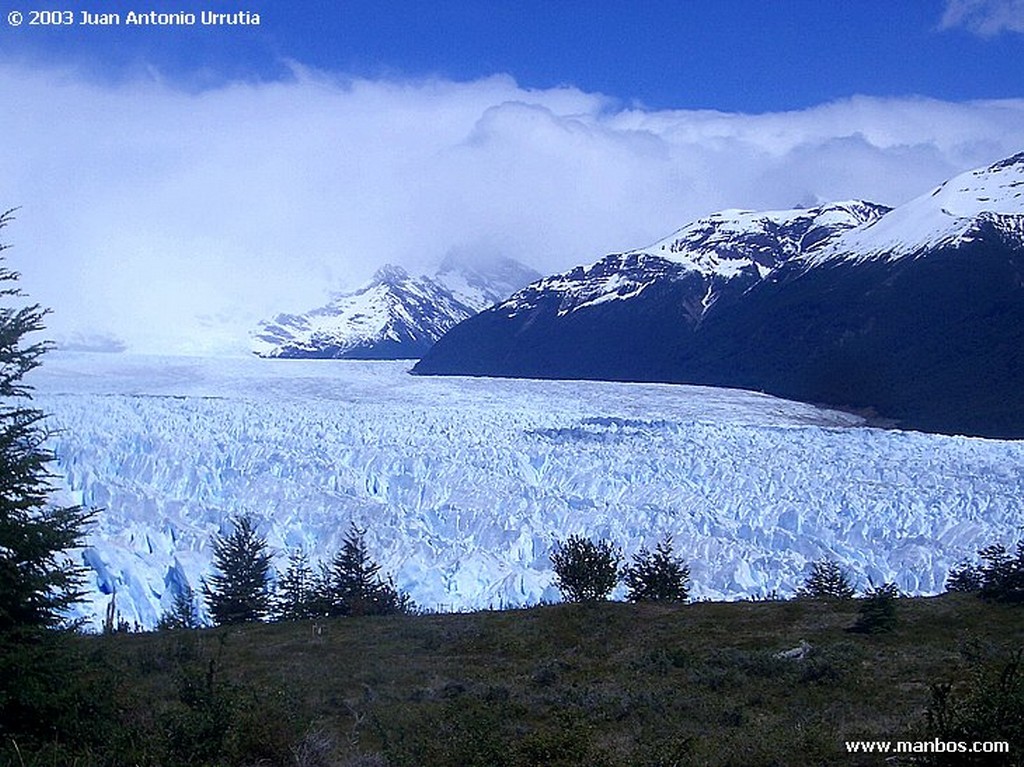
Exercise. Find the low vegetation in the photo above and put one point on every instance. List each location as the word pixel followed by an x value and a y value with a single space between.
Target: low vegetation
pixel 328 672
pixel 609 683
pixel 998 576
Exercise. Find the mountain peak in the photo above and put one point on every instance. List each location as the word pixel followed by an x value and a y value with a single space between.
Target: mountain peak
pixel 729 240
pixel 734 246
pixel 390 273
pixel 844 318
pixel 483 280
pixel 946 216
pixel 1014 162
pixel 393 316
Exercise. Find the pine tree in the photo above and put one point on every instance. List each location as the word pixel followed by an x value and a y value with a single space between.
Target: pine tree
pixel 182 614
pixel 353 576
pixel 38 582
pixel 657 577
pixel 586 571
pixel 42 679
pixel 240 591
pixel 827 580
pixel 297 590
pixel 354 585
pixel 1002 573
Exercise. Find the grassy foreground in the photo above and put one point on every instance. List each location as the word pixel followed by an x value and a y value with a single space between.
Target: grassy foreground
pixel 599 684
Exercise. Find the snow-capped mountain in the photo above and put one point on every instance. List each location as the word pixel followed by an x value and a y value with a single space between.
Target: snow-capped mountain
pixel 482 281
pixel 393 316
pixel 958 211
pixel 620 318
pixel 915 312
pixel 732 249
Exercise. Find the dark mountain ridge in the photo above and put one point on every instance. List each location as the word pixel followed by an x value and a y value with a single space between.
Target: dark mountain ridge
pixel 915 313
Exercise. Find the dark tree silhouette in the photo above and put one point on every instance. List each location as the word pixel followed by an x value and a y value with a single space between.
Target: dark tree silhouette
pixel 586 571
pixel 657 576
pixel 827 580
pixel 1002 574
pixel 182 614
pixel 297 591
pixel 239 592
pixel 354 585
pixel 38 581
pixel 965 577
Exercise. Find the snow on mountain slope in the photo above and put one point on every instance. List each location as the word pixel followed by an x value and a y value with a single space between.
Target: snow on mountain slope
pixel 464 485
pixel 951 213
pixel 726 242
pixel 394 316
pixel 725 246
pixel 483 282
pixel 916 313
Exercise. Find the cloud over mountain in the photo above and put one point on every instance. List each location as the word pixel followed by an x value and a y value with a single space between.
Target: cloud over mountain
pixel 176 219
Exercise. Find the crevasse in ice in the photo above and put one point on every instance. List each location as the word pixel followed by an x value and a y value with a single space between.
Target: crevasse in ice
pixel 464 485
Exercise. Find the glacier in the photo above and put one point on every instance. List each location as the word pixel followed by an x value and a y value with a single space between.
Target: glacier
pixel 464 485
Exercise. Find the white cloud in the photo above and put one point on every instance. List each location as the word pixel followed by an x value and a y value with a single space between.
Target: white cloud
pixel 176 220
pixel 984 17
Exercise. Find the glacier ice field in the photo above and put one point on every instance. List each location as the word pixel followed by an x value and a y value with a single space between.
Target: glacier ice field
pixel 464 485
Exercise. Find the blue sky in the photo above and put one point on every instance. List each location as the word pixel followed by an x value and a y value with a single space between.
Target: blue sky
pixel 731 55
pixel 176 185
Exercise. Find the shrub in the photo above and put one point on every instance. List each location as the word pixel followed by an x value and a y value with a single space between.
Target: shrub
pixel 586 571
pixel 986 704
pixel 657 576
pixel 877 611
pixel 55 701
pixel 210 716
pixel 964 577
pixel 827 580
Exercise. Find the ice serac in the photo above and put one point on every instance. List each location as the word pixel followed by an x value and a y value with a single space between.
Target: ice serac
pixel 464 485
pixel 916 313
pixel 394 316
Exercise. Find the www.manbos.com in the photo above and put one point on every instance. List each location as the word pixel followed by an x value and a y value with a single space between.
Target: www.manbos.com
pixel 936 746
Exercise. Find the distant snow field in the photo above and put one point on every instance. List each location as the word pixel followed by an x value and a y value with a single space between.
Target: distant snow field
pixel 464 485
